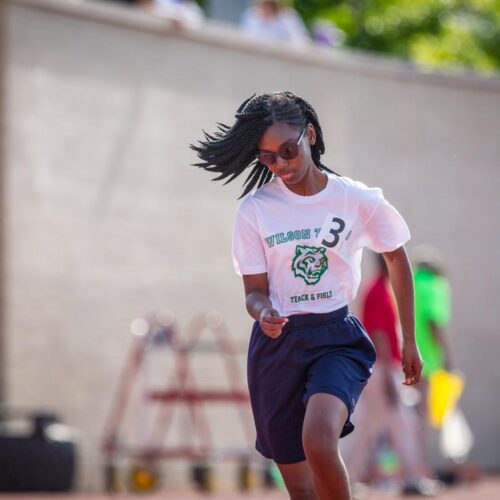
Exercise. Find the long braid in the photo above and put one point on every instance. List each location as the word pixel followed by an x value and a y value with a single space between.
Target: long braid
pixel 318 148
pixel 231 150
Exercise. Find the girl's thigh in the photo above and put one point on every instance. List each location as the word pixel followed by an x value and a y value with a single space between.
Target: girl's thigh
pixel 324 420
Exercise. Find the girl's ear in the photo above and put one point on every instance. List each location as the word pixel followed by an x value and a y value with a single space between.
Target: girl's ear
pixel 311 134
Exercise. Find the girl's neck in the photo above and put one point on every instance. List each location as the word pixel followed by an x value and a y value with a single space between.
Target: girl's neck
pixel 313 182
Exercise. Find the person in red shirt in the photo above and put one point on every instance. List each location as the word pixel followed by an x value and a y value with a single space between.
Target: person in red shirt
pixel 380 409
pixel 379 315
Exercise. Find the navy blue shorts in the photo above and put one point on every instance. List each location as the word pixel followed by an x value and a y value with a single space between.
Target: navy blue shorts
pixel 316 353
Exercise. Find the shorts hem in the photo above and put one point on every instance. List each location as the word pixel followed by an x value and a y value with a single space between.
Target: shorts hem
pixel 264 454
pixel 287 461
pixel 348 426
pixel 332 392
pixel 290 462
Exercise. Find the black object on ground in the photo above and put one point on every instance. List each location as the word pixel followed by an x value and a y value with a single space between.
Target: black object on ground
pixel 42 460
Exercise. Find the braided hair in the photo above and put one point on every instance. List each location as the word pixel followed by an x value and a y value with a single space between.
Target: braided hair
pixel 230 150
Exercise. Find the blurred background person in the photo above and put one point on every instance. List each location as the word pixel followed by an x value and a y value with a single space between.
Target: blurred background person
pixel 432 315
pixel 274 20
pixel 433 309
pixel 183 12
pixel 129 2
pixel 326 34
pixel 380 412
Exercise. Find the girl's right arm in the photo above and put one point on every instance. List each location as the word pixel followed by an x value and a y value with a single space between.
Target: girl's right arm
pixel 259 305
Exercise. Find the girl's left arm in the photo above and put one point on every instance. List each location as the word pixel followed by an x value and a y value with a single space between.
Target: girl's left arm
pixel 401 279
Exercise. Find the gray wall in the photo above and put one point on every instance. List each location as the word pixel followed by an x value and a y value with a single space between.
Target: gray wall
pixel 106 219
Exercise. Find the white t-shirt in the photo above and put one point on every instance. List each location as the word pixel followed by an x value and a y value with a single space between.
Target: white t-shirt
pixel 311 246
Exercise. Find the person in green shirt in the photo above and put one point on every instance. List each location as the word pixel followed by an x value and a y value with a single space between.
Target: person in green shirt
pixel 432 315
pixel 432 311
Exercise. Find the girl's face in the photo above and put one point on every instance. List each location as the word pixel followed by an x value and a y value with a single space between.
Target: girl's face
pixel 281 141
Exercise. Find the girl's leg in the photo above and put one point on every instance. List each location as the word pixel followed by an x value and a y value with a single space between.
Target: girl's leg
pixel 325 417
pixel 298 480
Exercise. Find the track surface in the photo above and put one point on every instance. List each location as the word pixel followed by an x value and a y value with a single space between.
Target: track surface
pixel 486 489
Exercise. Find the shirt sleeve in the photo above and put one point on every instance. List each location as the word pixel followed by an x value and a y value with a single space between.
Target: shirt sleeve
pixel 385 229
pixel 248 252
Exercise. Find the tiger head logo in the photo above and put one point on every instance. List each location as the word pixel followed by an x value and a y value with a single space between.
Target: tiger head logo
pixel 309 263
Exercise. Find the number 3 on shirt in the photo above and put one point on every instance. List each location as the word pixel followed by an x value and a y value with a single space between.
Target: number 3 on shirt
pixel 336 227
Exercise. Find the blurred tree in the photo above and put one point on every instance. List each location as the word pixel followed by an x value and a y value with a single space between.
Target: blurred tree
pixel 450 34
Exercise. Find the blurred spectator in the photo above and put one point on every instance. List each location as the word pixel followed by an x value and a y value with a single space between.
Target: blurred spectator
pixel 432 309
pixel 380 411
pixel 432 315
pixel 273 20
pixel 326 34
pixel 129 2
pixel 183 12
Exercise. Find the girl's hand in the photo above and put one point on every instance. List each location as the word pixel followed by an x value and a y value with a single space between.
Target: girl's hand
pixel 271 322
pixel 412 363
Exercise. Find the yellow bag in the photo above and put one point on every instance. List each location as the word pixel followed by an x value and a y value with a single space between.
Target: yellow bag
pixel 445 389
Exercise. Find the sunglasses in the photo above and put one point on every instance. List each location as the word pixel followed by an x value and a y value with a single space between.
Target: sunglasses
pixel 288 151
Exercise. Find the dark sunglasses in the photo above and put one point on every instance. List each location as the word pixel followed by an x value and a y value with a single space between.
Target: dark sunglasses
pixel 288 151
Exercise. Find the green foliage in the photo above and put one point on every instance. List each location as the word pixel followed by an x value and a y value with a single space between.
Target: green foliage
pixel 202 4
pixel 451 34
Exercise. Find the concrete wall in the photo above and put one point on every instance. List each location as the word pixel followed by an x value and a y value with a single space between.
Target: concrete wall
pixel 106 219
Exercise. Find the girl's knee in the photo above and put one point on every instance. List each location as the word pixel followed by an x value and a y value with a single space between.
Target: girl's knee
pixel 323 424
pixel 321 443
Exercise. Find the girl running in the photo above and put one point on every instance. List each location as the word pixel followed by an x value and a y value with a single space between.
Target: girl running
pixel 297 243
